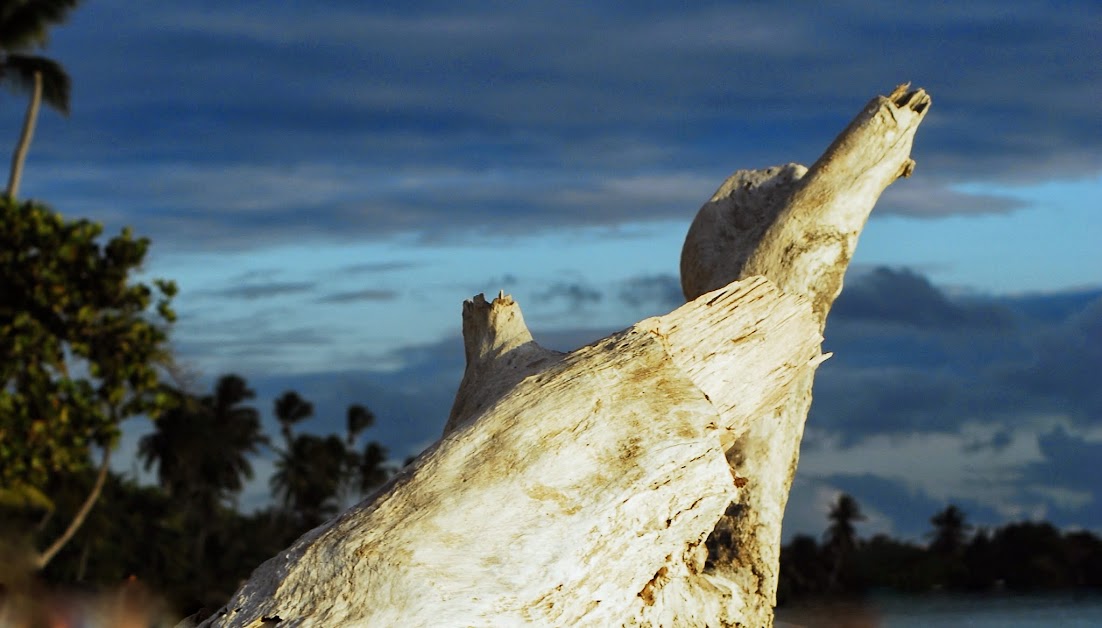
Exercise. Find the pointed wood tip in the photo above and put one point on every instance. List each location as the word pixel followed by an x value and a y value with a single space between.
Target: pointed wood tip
pixel 903 96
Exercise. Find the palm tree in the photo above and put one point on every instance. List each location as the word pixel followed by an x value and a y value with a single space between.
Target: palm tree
pixel 313 474
pixel 309 476
pixel 950 531
pixel 843 513
pixel 201 447
pixel 237 429
pixel 290 408
pixel 175 444
pixel 367 470
pixel 841 536
pixel 23 26
pixel 359 419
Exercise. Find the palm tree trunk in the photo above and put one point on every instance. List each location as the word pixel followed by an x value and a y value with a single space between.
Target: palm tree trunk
pixel 47 555
pixel 20 155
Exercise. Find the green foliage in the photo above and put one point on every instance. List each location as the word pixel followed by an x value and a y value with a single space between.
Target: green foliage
pixel 80 342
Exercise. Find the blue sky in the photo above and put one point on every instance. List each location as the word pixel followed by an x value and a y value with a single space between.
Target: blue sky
pixel 328 181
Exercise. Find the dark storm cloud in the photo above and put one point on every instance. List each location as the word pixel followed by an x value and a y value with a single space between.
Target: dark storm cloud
pixel 1065 364
pixel 905 297
pixel 1069 462
pixel 259 120
pixel 910 358
pixel 1066 479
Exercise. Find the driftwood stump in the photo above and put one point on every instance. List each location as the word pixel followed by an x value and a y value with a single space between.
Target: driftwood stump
pixel 580 489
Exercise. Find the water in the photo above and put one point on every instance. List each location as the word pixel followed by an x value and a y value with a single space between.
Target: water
pixel 945 611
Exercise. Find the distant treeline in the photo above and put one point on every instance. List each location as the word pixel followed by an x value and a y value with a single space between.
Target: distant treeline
pixel 1027 556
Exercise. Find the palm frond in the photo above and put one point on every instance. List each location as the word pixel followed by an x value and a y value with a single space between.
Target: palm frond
pixel 18 71
pixel 25 23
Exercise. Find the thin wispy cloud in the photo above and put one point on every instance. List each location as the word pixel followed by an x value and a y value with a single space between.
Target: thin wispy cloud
pixel 263 290
pixel 354 296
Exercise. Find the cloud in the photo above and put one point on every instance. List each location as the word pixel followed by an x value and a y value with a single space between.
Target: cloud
pixel 1067 457
pixel 348 121
pixel 996 442
pixel 933 397
pixel 904 509
pixel 1066 361
pixel 904 297
pixel 576 295
pixel 660 293
pixel 360 295
pixel 377 267
pixel 254 291
pixel 908 357
pixel 927 197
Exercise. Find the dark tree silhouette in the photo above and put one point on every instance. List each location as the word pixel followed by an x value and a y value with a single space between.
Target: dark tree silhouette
pixel 950 531
pixel 359 419
pixel 842 535
pixel 313 473
pixel 1029 556
pixel 201 449
pixel 802 569
pixel 366 470
pixel 309 476
pixel 201 446
pixel 841 539
pixel 290 409
pixel 980 561
pixel 237 428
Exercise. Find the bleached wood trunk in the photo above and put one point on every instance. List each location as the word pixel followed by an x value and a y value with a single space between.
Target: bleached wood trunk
pixel 578 489
pixel 798 227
